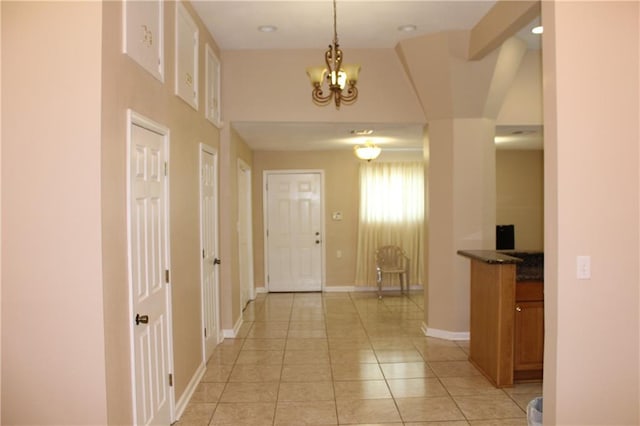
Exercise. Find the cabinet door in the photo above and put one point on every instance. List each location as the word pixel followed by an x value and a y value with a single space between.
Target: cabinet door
pixel 529 336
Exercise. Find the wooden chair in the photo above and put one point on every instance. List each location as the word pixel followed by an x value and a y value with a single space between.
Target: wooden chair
pixel 392 260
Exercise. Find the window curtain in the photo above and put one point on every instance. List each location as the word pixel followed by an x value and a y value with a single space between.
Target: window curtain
pixel 391 213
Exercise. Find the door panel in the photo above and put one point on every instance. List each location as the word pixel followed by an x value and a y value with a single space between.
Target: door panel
pixel 209 238
pixel 294 243
pixel 150 295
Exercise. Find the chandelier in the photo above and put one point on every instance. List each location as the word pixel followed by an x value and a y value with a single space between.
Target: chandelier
pixel 341 79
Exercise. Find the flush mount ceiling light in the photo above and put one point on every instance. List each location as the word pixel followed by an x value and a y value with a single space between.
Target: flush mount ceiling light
pixel 368 151
pixel 537 30
pixel 341 79
pixel 361 132
pixel 407 28
pixel 267 28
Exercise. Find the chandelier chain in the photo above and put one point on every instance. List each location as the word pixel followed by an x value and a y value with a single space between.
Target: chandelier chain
pixel 335 24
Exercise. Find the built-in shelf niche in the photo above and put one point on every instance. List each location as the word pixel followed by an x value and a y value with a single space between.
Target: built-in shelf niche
pixel 143 35
pixel 187 35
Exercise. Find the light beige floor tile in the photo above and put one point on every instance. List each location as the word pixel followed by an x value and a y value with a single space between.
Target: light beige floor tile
pixel 207 392
pixel 351 356
pixel 306 357
pixel 294 344
pixel 345 343
pixel 523 399
pixel 267 334
pixel 197 414
pixel 472 385
pixel 393 343
pixel 362 389
pixel 250 392
pixel 260 357
pixel 454 369
pixel 367 411
pixel 306 373
pixel 500 422
pixel 440 408
pixel 406 370
pixel 255 373
pixel 244 414
pixel 306 413
pixel 484 407
pixel 422 387
pixel 398 355
pixel 306 391
pixel 264 344
pixel 307 325
pixel 356 372
pixel 351 333
pixel 307 334
pixel 443 353
pixel 223 356
pixel 527 388
pixel 217 373
pixel 451 423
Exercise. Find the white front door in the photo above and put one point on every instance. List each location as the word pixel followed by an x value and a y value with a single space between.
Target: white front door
pixel 209 242
pixel 294 231
pixel 149 279
pixel 245 246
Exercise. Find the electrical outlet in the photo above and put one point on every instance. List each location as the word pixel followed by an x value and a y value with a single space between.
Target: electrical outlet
pixel 583 264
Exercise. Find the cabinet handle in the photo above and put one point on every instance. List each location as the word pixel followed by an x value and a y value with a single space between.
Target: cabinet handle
pixel 518 309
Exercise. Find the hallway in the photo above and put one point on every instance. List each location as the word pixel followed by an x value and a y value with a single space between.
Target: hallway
pixel 346 358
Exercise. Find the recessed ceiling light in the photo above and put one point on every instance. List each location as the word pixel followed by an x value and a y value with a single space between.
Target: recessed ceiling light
pixel 537 30
pixel 407 28
pixel 267 28
pixel 361 132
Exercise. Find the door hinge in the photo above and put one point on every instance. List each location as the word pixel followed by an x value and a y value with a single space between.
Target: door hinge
pixel 267 232
pixel 268 279
pixel 166 276
pixel 170 379
pixel 205 332
pixel 203 253
pixel 165 168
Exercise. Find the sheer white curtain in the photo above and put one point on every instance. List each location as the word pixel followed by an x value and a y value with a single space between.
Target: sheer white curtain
pixel 391 212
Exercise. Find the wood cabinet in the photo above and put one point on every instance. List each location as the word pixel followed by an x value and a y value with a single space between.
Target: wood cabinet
pixel 529 331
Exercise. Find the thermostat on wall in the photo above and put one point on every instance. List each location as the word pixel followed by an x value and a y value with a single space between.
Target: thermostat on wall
pixel 336 215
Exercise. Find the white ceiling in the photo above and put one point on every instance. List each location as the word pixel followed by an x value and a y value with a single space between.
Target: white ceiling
pixel 361 24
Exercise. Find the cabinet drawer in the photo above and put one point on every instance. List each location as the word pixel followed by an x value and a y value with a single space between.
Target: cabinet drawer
pixel 529 291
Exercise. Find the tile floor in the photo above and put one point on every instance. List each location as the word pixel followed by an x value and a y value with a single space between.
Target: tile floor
pixel 346 358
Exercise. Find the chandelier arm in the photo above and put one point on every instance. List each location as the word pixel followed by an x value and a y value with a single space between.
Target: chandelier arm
pixel 318 96
pixel 351 95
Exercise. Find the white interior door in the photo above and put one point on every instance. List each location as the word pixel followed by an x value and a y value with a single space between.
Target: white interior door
pixel 150 293
pixel 245 246
pixel 294 231
pixel 209 242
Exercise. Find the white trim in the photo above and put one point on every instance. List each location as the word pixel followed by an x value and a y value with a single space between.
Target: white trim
pixel 261 290
pixel 233 333
pixel 188 392
pixel 242 168
pixel 212 65
pixel 265 175
pixel 444 334
pixel 133 118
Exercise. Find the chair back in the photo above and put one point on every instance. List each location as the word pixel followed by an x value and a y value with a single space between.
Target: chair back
pixel 390 257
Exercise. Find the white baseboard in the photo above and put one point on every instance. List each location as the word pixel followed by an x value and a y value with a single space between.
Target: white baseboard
pixel 232 333
pixel 182 403
pixel 444 334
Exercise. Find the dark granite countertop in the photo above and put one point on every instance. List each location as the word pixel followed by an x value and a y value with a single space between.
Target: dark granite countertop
pixel 489 256
pixel 529 264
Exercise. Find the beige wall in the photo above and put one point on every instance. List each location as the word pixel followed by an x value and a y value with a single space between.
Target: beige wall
pixel 232 149
pixel 592 196
pixel 127 85
pixel 53 346
pixel 523 103
pixel 519 195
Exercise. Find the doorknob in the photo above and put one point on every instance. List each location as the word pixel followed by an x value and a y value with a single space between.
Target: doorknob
pixel 317 241
pixel 216 261
pixel 144 319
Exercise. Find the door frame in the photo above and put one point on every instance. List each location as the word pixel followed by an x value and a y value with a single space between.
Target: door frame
pixel 265 220
pixel 209 150
pixel 244 168
pixel 134 118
